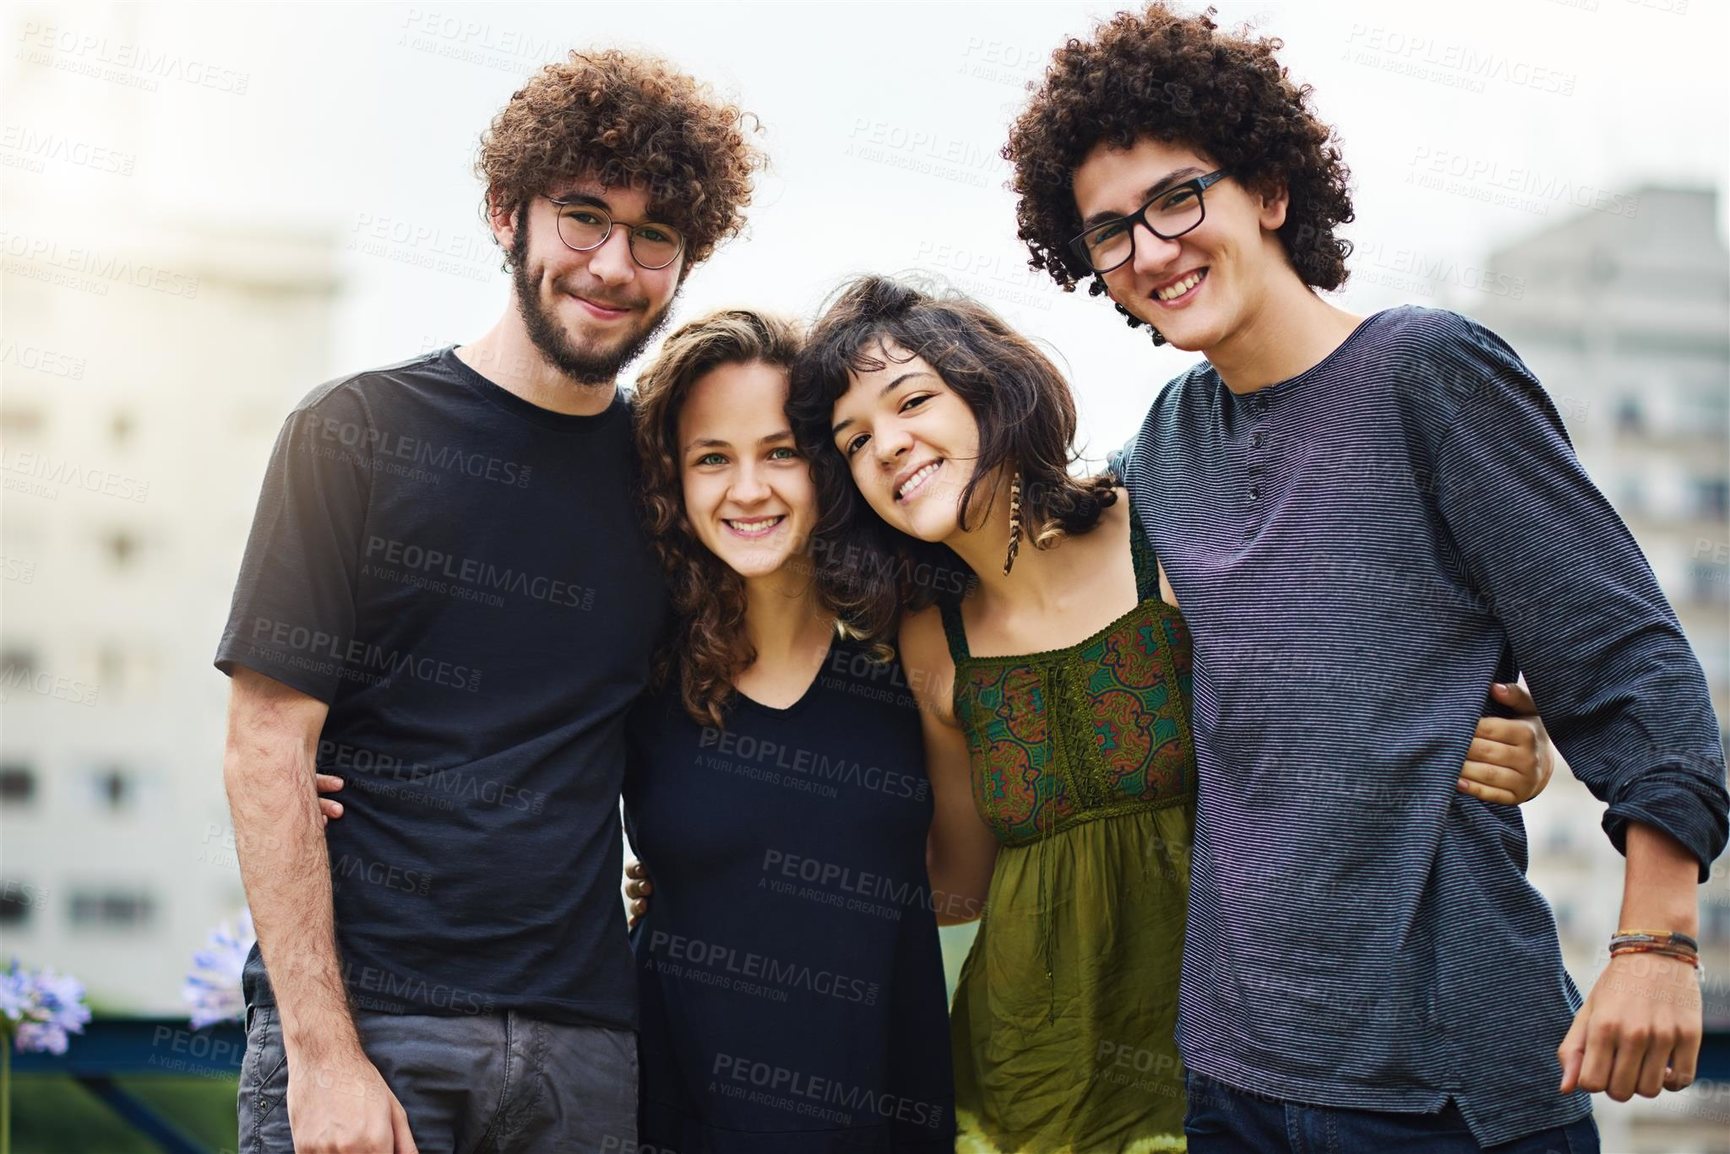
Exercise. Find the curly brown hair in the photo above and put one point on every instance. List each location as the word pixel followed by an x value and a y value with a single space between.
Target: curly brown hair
pixel 708 644
pixel 625 119
pixel 1178 79
pixel 1026 416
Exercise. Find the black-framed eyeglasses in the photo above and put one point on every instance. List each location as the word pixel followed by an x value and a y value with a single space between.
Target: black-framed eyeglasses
pixel 585 226
pixel 1168 214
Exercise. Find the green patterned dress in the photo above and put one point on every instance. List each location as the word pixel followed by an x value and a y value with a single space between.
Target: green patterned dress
pixel 1083 766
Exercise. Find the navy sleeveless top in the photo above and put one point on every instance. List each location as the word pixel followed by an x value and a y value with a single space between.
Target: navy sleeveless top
pixel 790 980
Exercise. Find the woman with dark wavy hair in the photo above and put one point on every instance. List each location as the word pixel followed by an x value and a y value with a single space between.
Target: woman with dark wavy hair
pixel 791 986
pixel 1058 707
pixel 1056 720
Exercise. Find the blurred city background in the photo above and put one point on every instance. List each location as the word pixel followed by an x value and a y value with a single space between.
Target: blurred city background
pixel 209 210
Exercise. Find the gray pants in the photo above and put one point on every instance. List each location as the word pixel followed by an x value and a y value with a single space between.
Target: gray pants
pixel 471 1084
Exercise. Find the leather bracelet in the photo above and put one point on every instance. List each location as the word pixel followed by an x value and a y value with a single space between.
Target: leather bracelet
pixel 1668 937
pixel 1691 958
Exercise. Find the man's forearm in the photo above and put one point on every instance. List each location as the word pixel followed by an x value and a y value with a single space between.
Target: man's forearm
pixel 286 870
pixel 1660 885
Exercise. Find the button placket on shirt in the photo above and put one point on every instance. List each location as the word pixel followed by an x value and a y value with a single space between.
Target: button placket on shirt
pixel 1257 439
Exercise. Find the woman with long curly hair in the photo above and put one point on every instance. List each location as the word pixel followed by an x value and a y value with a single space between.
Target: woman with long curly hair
pixel 791 985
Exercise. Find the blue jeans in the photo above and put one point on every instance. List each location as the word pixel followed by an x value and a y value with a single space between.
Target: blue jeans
pixel 1225 1120
pixel 470 1084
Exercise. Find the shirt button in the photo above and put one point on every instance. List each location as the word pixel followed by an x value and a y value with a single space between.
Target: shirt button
pixel 1255 492
pixel 1256 438
pixel 1261 404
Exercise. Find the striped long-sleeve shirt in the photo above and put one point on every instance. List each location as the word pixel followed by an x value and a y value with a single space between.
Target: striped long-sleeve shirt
pixel 1360 551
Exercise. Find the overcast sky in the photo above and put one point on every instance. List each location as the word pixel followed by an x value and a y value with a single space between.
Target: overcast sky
pixel 883 122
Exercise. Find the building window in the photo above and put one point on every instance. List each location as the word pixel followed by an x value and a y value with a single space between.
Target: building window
pixel 17 666
pixel 1564 919
pixel 17 422
pixel 112 909
pixel 1715 920
pixel 1630 416
pixel 17 784
pixel 1711 498
pixel 1630 496
pixel 1560 838
pixel 1706 406
pixel 1708 581
pixel 16 905
pixel 114 788
pixel 121 547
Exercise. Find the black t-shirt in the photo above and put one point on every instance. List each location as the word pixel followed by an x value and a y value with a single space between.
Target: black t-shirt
pixel 463 576
pixel 791 977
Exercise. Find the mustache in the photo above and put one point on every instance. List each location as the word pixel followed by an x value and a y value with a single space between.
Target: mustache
pixel 600 296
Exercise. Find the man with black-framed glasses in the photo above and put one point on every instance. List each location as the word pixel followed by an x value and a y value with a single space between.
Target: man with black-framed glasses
pixel 448 602
pixel 1367 521
pixel 1107 242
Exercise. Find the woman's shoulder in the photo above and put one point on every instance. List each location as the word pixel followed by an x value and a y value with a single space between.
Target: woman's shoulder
pixel 1110 534
pixel 922 639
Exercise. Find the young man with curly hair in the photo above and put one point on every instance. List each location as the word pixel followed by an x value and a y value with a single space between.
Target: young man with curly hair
pixel 448 600
pixel 1362 519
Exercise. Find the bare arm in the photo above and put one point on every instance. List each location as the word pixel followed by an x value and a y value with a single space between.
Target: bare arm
pixel 267 767
pixel 337 1101
pixel 961 850
pixel 1640 1029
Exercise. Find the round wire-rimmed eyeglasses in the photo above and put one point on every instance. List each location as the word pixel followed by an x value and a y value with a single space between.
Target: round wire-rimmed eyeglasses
pixel 585 226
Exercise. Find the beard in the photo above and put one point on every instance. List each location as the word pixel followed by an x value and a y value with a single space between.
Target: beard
pixel 585 367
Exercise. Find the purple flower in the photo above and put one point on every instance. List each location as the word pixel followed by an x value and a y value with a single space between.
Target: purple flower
pixel 41 1007
pixel 14 992
pixel 212 989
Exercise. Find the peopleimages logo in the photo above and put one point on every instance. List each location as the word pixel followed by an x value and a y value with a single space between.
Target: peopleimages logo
pixel 58 471
pixel 821 766
pixel 423 781
pixel 379 873
pixel 103 268
pixel 756 967
pixel 397 991
pixel 57 686
pixel 480 574
pixel 133 65
pixel 382 443
pixel 358 660
pixel 803 1090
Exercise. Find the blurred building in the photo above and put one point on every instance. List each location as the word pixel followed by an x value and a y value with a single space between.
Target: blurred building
pixel 1625 317
pixel 145 369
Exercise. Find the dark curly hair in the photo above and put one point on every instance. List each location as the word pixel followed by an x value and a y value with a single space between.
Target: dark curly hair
pixel 1178 79
pixel 1025 412
pixel 708 643
pixel 625 119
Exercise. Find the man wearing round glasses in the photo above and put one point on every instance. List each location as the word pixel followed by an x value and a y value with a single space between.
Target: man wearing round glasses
pixel 448 602
pixel 592 290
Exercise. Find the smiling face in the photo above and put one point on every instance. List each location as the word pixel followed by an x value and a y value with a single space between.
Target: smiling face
pixel 1207 285
pixel 748 493
pixel 589 313
pixel 910 442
